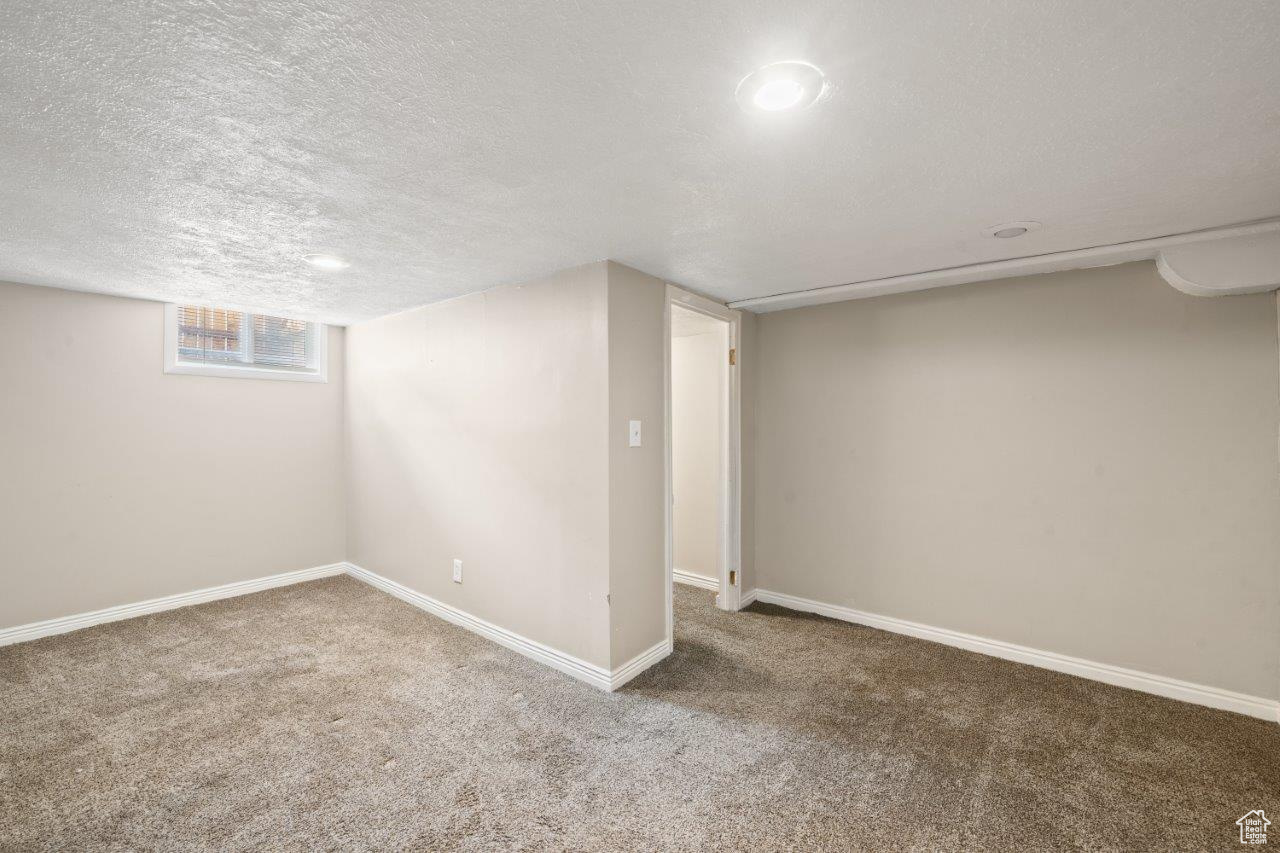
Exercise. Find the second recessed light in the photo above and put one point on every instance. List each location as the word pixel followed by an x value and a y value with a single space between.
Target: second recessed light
pixel 1009 230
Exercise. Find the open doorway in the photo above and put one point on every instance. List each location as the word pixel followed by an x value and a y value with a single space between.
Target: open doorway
pixel 702 448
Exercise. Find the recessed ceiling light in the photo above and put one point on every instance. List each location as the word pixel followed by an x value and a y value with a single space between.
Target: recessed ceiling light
pixel 779 87
pixel 1010 229
pixel 326 262
pixel 778 95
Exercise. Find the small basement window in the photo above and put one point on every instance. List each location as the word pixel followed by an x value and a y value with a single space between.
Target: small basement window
pixel 221 342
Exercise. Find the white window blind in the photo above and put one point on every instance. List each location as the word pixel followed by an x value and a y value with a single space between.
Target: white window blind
pixel 222 342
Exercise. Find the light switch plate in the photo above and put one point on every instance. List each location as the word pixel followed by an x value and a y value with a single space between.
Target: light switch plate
pixel 635 434
pixel 457 571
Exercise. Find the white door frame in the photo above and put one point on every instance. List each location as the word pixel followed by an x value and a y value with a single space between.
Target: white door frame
pixel 729 538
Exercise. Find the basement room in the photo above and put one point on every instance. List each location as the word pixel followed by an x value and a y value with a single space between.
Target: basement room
pixel 836 425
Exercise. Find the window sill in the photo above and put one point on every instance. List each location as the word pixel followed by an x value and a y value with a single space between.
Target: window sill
pixel 227 371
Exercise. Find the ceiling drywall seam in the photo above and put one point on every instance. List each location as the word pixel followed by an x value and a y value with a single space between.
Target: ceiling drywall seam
pixel 1094 256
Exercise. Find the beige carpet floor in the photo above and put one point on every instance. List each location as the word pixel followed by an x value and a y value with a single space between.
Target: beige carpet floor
pixel 331 716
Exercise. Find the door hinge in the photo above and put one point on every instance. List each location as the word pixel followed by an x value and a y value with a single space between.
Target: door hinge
pixel 733 356
pixel 733 577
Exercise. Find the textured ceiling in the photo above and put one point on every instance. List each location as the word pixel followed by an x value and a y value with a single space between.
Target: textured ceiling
pixel 195 150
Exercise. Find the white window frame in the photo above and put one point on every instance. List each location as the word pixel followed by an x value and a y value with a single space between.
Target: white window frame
pixel 317 347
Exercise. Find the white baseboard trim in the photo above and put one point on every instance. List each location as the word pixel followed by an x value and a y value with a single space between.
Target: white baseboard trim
pixel 65 624
pixel 748 598
pixel 681 576
pixel 597 676
pixel 639 664
pixel 1171 688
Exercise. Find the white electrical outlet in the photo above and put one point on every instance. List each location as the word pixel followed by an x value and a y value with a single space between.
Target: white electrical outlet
pixel 457 571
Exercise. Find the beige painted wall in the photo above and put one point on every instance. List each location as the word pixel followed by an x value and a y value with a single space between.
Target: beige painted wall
pixel 493 428
pixel 109 501
pixel 1084 463
pixel 696 435
pixel 637 475
pixel 477 430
